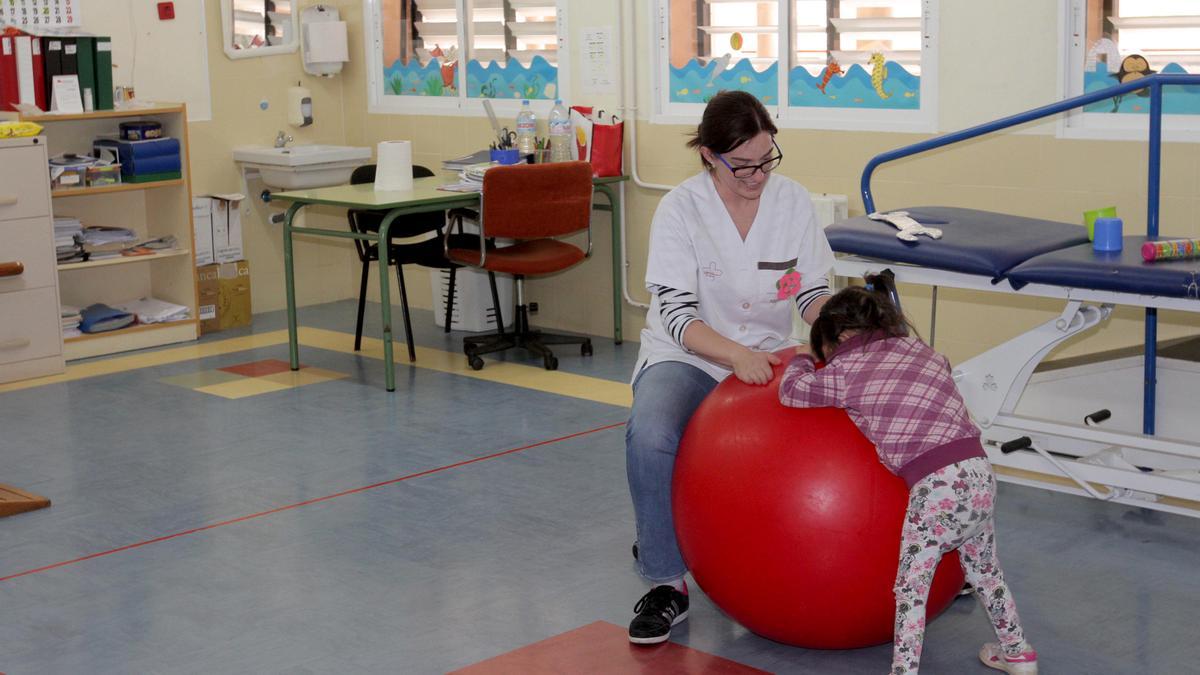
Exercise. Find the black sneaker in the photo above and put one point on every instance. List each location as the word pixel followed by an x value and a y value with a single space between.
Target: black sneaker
pixel 657 611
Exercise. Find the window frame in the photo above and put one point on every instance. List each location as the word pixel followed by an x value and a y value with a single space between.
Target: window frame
pixel 923 120
pixel 1079 125
pixel 460 105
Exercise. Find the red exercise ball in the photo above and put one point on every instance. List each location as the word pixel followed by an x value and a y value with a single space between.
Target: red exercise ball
pixel 788 521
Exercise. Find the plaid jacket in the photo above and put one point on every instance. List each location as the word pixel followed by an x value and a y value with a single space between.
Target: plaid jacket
pixel 899 393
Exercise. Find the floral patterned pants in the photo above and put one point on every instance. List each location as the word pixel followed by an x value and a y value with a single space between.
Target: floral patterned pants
pixel 947 510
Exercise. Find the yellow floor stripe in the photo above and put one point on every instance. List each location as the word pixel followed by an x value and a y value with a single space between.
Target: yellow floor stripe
pixel 517 375
pixel 136 360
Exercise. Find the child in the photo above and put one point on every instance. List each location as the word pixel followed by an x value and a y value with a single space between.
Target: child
pixel 900 394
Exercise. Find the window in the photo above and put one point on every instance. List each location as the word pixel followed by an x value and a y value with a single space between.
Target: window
pixel 847 63
pixel 1112 41
pixel 439 53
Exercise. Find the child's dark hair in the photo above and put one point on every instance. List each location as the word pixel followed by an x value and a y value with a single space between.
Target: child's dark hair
pixel 855 309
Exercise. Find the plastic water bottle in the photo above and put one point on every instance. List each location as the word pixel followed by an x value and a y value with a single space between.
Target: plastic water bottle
pixel 560 133
pixel 526 130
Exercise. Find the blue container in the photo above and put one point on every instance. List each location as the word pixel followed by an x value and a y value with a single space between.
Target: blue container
pixel 509 156
pixel 1108 234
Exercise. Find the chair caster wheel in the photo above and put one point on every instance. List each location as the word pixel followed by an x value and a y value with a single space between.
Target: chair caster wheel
pixel 551 363
pixel 475 362
pixel 586 348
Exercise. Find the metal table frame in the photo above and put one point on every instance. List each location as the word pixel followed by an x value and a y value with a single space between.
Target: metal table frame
pixel 423 198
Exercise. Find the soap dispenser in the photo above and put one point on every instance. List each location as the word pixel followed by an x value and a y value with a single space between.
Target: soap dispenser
pixel 299 106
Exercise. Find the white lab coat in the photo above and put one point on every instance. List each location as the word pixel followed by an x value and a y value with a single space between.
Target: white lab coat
pixel 695 246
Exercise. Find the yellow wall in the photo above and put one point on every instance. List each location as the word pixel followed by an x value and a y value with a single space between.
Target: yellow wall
pixel 983 74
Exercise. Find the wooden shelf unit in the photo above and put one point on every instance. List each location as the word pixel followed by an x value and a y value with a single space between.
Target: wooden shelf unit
pixel 151 210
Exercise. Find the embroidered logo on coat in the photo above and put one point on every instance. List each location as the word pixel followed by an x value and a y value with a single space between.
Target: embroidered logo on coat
pixel 788 284
pixel 712 271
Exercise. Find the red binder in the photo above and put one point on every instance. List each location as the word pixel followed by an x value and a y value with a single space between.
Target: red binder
pixel 39 76
pixel 10 93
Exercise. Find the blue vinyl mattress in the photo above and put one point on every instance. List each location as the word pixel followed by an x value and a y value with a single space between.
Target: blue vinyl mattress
pixel 1121 271
pixel 973 241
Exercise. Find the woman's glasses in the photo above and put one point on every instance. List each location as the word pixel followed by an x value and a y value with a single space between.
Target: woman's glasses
pixel 747 170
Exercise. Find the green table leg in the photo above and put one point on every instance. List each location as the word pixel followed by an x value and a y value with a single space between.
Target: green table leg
pixel 614 210
pixel 389 367
pixel 289 285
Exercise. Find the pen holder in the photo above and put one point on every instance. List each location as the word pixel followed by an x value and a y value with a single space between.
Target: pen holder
pixel 1107 234
pixel 541 156
pixel 508 156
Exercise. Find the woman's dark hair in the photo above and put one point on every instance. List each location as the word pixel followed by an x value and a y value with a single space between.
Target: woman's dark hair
pixel 855 309
pixel 730 119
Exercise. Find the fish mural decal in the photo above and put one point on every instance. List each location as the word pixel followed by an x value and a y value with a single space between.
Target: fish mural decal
pixel 878 74
pixel 834 68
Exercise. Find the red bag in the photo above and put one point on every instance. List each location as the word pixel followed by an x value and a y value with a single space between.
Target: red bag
pixel 598 140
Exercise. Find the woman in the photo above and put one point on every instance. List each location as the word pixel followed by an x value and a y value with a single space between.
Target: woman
pixel 732 250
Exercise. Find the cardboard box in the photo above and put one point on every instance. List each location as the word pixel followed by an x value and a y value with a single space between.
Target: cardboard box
pixel 202 231
pixel 224 296
pixel 233 295
pixel 218 219
pixel 208 285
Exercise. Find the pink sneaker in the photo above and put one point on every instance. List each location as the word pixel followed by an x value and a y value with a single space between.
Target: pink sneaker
pixel 993 657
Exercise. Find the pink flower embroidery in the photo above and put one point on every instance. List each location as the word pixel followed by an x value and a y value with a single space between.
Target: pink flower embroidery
pixel 788 284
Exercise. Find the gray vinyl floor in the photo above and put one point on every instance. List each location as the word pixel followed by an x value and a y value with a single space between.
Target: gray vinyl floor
pixel 335 528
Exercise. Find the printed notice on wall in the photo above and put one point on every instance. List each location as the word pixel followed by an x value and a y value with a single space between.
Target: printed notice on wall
pixel 40 13
pixel 597 76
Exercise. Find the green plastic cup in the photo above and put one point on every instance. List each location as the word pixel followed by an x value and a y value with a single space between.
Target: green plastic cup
pixel 1089 219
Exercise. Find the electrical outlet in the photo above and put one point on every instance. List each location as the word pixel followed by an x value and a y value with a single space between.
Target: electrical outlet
pixel 533 308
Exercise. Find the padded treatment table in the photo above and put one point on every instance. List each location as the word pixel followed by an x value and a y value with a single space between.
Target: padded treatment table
pixel 973 242
pixel 1001 253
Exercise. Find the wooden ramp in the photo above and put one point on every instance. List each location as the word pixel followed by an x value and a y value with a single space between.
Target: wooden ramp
pixel 13 501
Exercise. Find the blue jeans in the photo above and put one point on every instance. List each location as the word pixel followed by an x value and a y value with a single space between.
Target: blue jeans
pixel 664 397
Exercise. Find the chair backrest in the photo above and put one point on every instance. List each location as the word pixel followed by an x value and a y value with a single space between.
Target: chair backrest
pixel 532 201
pixel 366 173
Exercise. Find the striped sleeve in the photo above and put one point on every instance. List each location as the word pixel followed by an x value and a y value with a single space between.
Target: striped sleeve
pixel 678 310
pixel 810 292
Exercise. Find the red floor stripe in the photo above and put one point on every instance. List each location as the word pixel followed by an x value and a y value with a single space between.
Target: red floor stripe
pixel 307 502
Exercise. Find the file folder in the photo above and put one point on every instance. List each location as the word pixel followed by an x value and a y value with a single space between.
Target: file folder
pixel 104 73
pixel 85 66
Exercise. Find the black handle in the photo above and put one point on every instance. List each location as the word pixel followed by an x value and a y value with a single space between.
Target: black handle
pixel 1022 443
pixel 1097 417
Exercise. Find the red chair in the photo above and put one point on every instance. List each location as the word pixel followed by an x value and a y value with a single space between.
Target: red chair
pixel 530 204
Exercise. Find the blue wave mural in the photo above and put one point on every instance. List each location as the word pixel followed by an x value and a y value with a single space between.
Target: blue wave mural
pixel 513 79
pixel 901 90
pixel 1177 100
pixel 695 83
pixel 413 79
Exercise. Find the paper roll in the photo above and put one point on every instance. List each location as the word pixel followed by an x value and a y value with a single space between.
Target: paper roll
pixel 327 42
pixel 393 166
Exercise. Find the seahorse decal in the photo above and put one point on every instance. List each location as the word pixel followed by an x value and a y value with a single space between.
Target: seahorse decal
pixel 878 74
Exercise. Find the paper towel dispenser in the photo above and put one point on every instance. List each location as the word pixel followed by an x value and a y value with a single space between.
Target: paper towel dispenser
pixel 323 41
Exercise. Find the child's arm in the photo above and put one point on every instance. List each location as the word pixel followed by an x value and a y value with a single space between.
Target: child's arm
pixel 803 386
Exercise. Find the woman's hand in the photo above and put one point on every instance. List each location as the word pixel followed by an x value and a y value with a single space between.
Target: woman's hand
pixel 754 367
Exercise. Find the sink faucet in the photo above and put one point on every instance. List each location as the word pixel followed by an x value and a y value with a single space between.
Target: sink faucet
pixel 282 139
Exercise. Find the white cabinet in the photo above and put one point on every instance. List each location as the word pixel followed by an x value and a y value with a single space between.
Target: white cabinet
pixel 30 326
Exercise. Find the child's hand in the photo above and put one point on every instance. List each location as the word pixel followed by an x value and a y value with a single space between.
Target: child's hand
pixel 754 367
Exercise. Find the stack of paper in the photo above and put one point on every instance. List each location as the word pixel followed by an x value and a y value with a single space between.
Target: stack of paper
pixel 460 163
pixel 70 321
pixel 105 242
pixel 66 233
pixel 153 310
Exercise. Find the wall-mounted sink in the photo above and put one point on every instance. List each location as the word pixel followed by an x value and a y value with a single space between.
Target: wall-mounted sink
pixel 303 166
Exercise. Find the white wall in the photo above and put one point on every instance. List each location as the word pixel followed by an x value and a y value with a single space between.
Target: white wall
pixel 162 60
